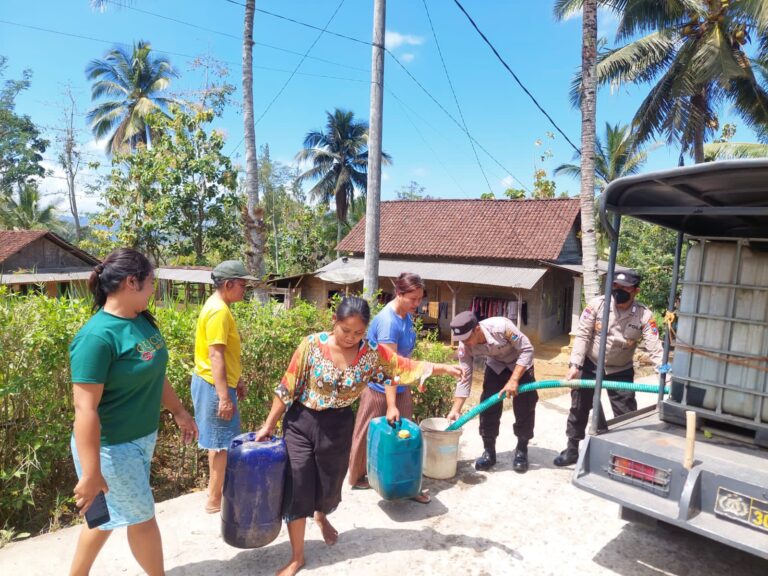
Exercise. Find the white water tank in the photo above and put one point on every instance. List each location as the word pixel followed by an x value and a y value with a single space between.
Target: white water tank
pixel 724 316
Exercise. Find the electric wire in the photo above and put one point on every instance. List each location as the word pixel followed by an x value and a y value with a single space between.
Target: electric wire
pixel 455 97
pixel 519 82
pixel 296 69
pixel 233 36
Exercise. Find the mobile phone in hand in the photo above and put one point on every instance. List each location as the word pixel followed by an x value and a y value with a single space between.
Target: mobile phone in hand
pixel 98 513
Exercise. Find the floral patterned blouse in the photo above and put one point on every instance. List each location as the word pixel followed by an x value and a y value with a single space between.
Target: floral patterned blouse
pixel 313 380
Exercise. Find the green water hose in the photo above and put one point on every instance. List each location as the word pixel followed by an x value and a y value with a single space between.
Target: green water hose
pixel 607 385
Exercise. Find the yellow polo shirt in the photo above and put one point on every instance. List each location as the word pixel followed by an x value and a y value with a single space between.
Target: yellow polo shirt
pixel 216 325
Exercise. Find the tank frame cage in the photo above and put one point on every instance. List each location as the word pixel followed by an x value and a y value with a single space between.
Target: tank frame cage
pixel 725 201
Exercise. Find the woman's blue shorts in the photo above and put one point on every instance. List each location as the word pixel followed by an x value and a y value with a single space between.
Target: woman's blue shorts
pixel 125 468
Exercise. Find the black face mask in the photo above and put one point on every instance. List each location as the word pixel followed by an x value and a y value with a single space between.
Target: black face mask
pixel 621 296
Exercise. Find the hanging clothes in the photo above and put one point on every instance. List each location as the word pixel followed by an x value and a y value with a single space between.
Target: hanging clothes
pixel 486 307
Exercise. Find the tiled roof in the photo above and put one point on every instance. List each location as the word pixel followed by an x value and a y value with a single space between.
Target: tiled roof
pixel 458 229
pixel 11 241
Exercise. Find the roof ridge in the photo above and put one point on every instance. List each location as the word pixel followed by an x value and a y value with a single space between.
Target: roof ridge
pixel 526 200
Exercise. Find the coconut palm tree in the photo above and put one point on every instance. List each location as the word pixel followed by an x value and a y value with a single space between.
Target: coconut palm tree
pixel 134 81
pixel 339 157
pixel 25 212
pixel 588 104
pixel 617 154
pixel 734 150
pixel 693 55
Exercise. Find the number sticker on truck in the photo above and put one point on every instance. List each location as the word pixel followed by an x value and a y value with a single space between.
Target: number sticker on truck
pixel 744 509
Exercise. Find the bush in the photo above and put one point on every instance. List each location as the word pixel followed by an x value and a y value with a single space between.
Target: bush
pixel 437 398
pixel 36 472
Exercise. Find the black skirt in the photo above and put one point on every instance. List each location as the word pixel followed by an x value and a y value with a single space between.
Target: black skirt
pixel 318 443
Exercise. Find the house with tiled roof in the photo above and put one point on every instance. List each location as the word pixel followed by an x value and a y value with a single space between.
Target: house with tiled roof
pixel 39 259
pixel 514 258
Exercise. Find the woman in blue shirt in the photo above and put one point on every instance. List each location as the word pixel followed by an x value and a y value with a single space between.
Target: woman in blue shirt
pixel 392 328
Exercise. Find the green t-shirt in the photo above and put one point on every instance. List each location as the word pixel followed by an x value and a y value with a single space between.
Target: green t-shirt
pixel 129 357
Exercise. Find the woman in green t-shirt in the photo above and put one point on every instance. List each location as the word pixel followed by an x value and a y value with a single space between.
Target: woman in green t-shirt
pixel 118 361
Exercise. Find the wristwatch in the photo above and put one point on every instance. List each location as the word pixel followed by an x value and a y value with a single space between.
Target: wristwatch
pixel 574 365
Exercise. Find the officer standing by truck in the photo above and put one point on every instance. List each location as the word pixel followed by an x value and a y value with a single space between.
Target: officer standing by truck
pixel 628 323
pixel 509 363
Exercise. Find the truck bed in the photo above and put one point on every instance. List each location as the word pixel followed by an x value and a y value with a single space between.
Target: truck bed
pixel 725 470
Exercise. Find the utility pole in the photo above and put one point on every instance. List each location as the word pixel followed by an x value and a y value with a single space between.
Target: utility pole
pixel 373 192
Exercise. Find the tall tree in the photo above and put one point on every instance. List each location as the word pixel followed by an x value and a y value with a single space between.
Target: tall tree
pixel 617 154
pixel 21 143
pixel 255 233
pixel 586 90
pixel 339 157
pixel 412 191
pixel 588 120
pixel 176 200
pixel 693 56
pixel 70 157
pixel 135 83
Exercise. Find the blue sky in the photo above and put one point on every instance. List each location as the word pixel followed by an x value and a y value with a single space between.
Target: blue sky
pixel 425 144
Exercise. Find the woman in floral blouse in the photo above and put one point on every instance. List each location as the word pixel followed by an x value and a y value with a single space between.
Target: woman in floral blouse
pixel 327 373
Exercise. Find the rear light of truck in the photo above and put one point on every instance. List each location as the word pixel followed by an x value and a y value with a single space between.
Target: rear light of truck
pixel 638 473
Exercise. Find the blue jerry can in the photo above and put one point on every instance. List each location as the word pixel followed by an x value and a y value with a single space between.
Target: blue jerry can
pixel 253 491
pixel 395 458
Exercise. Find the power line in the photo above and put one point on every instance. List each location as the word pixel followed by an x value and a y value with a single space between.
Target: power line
pixel 391 55
pixel 233 36
pixel 413 78
pixel 296 69
pixel 405 107
pixel 300 23
pixel 445 111
pixel 113 43
pixel 519 82
pixel 455 98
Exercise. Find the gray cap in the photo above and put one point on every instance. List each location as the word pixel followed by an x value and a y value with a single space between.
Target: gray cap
pixel 627 278
pixel 463 324
pixel 231 270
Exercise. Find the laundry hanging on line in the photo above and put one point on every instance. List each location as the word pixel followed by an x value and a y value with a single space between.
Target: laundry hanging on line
pixel 486 307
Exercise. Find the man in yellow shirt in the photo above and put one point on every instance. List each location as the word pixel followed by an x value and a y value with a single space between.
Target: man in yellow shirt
pixel 216 384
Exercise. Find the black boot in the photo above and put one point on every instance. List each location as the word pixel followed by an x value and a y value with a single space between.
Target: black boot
pixel 568 456
pixel 488 458
pixel 520 462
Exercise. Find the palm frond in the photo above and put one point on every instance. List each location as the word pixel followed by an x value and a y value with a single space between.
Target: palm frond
pixel 734 150
pixel 643 16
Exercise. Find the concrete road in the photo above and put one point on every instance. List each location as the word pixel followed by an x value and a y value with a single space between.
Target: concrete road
pixel 493 523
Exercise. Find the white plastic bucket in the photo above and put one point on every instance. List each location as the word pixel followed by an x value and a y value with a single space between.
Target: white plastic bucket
pixel 441 448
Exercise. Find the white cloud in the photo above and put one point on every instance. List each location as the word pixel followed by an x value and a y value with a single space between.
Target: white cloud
pixel 508 182
pixel 407 57
pixel 53 189
pixel 97 146
pixel 420 171
pixel 384 176
pixel 393 40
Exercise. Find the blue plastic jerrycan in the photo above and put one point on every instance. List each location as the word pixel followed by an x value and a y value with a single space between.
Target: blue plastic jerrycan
pixel 395 458
pixel 253 491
